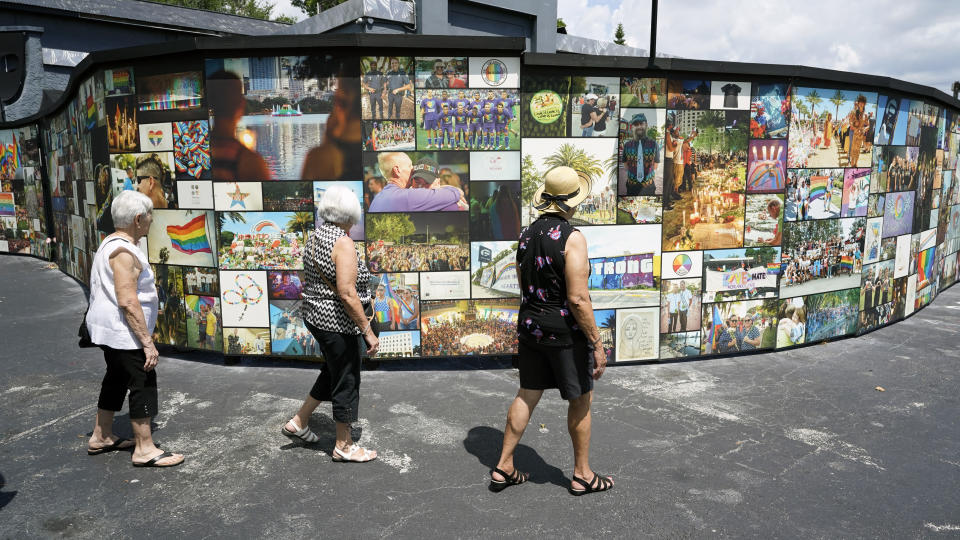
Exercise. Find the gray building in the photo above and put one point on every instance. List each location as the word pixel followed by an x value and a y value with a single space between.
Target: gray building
pixel 58 34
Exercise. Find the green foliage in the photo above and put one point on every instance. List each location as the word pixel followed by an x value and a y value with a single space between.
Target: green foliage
pixel 560 23
pixel 577 159
pixel 256 9
pixel 390 227
pixel 314 7
pixel 301 222
pixel 529 178
pixel 763 254
pixel 620 37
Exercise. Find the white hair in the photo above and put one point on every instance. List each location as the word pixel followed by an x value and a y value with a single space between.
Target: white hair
pixel 386 161
pixel 127 206
pixel 339 205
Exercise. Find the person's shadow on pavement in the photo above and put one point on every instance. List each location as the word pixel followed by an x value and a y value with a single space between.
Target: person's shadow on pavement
pixel 5 496
pixel 484 443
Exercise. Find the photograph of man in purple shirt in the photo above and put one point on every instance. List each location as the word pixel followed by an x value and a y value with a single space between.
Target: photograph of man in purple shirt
pixel 397 196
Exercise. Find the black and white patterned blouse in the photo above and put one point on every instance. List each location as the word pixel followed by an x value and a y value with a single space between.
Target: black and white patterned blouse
pixel 321 305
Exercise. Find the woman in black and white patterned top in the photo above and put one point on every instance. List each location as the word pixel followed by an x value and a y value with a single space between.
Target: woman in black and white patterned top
pixel 336 289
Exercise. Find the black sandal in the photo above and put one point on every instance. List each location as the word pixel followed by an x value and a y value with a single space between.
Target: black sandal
pixel 598 484
pixel 514 479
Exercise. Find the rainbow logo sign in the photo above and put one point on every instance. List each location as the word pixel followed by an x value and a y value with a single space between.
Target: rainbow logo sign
pixel 190 238
pixel 494 72
pixel 682 264
pixel 898 207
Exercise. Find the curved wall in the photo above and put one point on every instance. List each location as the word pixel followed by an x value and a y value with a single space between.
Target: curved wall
pixel 735 207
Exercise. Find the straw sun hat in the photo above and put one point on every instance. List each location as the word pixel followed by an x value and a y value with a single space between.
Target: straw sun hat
pixel 563 188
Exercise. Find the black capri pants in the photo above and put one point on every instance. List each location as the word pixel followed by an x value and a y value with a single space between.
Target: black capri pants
pixel 339 379
pixel 125 372
pixel 568 369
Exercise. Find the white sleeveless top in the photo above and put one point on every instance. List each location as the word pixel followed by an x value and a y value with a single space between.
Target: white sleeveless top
pixel 105 320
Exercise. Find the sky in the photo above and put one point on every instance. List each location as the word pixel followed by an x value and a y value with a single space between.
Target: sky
pixel 860 36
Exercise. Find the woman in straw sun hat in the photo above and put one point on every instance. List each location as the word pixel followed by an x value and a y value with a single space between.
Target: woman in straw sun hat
pixel 560 345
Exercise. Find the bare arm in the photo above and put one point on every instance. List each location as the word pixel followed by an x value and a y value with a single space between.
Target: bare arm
pixel 126 270
pixel 576 272
pixel 345 259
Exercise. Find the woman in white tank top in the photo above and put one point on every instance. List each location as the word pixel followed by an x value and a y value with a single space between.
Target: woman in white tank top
pixel 121 319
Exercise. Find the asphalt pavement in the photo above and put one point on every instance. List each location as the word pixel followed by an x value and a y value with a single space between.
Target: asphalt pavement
pixel 796 444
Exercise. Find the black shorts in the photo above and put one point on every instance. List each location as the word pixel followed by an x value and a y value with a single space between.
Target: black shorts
pixel 569 369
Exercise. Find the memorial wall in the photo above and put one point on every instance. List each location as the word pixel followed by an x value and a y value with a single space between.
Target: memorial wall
pixel 728 213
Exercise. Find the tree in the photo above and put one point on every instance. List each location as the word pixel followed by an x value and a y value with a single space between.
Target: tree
pixel 314 7
pixel 164 255
pixel 837 99
pixel 256 9
pixel 814 99
pixel 577 159
pixel 619 37
pixel 529 178
pixel 301 222
pixel 391 227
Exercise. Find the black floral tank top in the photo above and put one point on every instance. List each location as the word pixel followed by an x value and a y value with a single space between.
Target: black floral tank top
pixel 544 316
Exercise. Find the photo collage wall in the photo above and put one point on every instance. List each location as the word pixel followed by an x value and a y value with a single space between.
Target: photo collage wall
pixel 23 220
pixel 725 214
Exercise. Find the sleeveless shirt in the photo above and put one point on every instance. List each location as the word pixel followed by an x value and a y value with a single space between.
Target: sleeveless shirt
pixel 105 320
pixel 544 317
pixel 322 306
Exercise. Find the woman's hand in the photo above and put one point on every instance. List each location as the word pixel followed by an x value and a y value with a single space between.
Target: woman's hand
pixel 373 343
pixel 150 350
pixel 599 361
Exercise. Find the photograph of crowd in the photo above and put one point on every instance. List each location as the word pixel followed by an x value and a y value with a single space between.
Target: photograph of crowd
pixel 831 128
pixel 831 315
pixel 289 196
pixel 426 242
pixel 813 194
pixel 704 179
pixel 201 281
pixel 877 288
pixel 689 95
pixel 263 240
pixel 594 158
pixel 643 92
pixel 468 327
pixel 416 181
pixel 389 135
pixel 822 255
pixel 594 106
pixel 735 327
pixel 740 274
pixel 494 210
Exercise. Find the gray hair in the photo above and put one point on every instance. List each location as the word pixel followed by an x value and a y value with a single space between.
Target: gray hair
pixel 386 161
pixel 127 206
pixel 339 205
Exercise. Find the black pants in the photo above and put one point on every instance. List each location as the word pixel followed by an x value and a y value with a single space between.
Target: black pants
pixel 568 369
pixel 125 372
pixel 339 380
pixel 394 101
pixel 376 102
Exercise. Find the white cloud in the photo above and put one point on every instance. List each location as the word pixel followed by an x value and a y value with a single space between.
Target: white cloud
pixel 914 41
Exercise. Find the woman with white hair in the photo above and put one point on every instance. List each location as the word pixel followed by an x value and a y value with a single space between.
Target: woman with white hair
pixel 336 290
pixel 120 319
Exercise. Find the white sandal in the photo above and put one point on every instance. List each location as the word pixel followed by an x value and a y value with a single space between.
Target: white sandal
pixel 351 455
pixel 303 434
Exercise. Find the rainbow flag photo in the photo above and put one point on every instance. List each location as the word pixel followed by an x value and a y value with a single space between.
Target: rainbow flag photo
pixel 182 237
pixel 7 207
pixel 190 238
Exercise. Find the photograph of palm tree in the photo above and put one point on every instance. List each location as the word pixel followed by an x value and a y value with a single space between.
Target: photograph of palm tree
pixel 831 128
pixel 594 157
